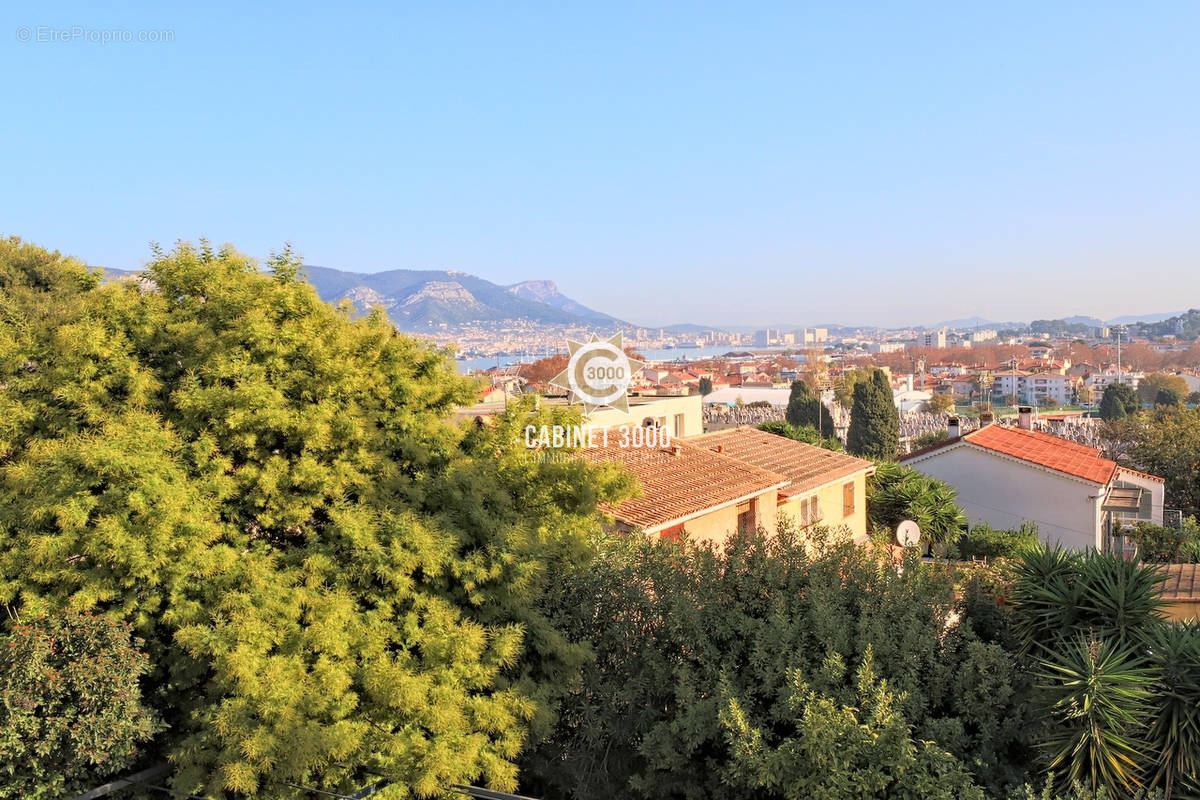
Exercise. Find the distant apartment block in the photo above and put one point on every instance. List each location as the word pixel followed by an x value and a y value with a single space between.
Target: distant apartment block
pixel 885 347
pixel 1033 388
pixel 766 338
pixel 979 337
pixel 1099 381
pixel 935 338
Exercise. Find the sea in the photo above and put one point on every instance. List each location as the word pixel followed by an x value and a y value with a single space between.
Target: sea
pixel 679 354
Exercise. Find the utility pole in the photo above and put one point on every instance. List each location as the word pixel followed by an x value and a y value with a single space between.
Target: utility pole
pixel 1013 363
pixel 1118 332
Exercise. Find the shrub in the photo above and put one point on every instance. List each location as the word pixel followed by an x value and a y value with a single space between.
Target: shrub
pixel 800 433
pixel 70 707
pixel 1165 544
pixel 931 438
pixel 984 541
pixel 896 493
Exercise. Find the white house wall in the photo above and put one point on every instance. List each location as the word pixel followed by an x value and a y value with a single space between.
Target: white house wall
pixel 1005 493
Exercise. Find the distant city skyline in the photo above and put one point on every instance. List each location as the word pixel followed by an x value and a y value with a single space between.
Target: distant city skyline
pixel 724 166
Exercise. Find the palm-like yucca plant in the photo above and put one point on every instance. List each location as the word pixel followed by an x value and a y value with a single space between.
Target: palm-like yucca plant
pixel 1060 594
pixel 1046 595
pixel 1099 704
pixel 1175 733
pixel 1120 598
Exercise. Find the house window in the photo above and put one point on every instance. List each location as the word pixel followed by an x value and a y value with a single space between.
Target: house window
pixel 847 499
pixel 745 517
pixel 810 512
pixel 678 425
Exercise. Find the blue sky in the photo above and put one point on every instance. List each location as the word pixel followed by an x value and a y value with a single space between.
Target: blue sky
pixel 798 163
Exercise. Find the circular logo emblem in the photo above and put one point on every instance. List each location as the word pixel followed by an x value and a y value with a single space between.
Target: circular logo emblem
pixel 598 373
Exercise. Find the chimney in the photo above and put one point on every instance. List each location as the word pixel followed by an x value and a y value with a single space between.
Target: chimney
pixel 955 429
pixel 1025 418
pixel 986 418
pixel 720 448
pixel 908 384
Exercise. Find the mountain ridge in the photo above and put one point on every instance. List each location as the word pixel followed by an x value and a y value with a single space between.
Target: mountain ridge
pixel 422 300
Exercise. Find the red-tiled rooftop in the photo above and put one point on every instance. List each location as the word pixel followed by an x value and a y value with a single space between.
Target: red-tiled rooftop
pixel 1046 450
pixel 1143 474
pixel 1182 583
pixel 680 481
pixel 806 465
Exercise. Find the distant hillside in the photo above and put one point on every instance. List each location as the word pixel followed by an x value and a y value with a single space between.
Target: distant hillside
pixel 1185 325
pixel 687 328
pixel 1132 319
pixel 417 300
pixel 421 299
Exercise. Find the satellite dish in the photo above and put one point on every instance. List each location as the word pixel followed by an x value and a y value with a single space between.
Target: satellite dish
pixel 908 533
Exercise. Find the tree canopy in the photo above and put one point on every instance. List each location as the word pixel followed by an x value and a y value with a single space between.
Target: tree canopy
pixel 1119 400
pixel 333 580
pixel 805 409
pixel 1150 386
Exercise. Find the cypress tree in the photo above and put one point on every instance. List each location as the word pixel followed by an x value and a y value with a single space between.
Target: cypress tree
pixel 805 410
pixel 874 422
pixel 1119 401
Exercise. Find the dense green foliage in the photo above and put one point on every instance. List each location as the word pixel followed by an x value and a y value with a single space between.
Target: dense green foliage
pixel 896 493
pixel 931 438
pixel 1166 544
pixel 1150 386
pixel 246 536
pixel 805 410
pixel 874 430
pixel 940 404
pixel 777 669
pixel 70 704
pixel 984 541
pixel 801 434
pixel 1119 401
pixel 331 581
pixel 706 386
pixel 1168 398
pixel 1167 443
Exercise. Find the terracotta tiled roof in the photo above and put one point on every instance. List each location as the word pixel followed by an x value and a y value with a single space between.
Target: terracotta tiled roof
pixel 681 481
pixel 1182 583
pixel 805 465
pixel 1046 450
pixel 1143 474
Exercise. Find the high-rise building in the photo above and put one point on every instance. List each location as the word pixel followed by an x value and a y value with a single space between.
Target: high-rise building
pixel 766 338
pixel 934 339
